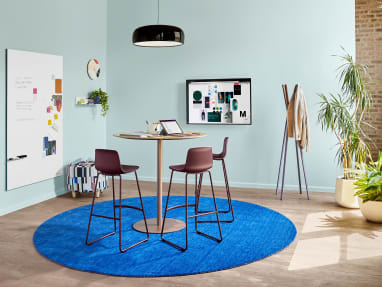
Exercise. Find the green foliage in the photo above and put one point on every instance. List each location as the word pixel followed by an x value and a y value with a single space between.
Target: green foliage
pixel 343 114
pixel 369 183
pixel 103 99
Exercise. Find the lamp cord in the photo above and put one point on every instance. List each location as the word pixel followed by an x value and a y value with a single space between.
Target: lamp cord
pixel 158 14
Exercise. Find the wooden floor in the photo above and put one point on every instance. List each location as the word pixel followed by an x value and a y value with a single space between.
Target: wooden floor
pixel 334 247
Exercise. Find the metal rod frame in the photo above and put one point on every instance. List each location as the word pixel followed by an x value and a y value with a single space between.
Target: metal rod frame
pixel 119 206
pixel 229 199
pixel 186 205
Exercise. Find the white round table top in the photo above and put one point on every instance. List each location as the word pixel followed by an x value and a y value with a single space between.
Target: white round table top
pixel 185 135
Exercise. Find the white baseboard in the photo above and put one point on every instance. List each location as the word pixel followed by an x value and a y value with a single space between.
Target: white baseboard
pixel 246 184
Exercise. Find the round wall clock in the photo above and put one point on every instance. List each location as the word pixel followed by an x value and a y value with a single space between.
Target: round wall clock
pixel 93 69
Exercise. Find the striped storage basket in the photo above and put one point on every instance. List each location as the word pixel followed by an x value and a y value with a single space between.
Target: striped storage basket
pixel 82 176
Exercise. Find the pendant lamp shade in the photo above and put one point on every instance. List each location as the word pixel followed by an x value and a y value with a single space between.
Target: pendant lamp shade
pixel 158 36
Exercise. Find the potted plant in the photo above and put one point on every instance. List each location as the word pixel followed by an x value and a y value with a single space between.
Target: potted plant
pixel 100 97
pixel 343 115
pixel 369 190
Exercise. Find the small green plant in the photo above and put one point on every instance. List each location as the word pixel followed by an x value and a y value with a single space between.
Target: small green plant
pixel 369 183
pixel 343 114
pixel 102 99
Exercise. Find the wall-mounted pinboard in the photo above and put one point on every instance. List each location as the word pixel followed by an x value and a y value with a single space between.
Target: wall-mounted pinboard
pixel 34 117
pixel 219 101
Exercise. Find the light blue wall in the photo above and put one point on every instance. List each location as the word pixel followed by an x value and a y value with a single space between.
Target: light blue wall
pixel 273 42
pixel 77 31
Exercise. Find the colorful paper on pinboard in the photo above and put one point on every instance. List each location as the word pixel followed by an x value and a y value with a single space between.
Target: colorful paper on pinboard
pixel 58 86
pixel 257 232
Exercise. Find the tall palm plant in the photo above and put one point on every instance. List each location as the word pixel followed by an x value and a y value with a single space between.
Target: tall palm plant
pixel 343 114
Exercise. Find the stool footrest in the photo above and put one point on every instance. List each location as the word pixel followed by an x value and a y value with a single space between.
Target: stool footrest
pixel 104 216
pixel 128 206
pixel 98 239
pixel 205 213
pixel 175 245
pixel 209 236
pixel 178 206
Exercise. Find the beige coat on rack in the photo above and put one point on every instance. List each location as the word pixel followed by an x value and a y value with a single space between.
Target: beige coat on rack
pixel 298 125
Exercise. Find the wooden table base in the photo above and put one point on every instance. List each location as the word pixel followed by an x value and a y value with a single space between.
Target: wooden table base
pixel 172 225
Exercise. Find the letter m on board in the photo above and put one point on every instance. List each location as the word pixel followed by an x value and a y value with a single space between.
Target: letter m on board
pixel 243 114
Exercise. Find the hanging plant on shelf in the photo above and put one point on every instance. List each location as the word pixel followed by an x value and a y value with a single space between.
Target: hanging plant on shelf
pixel 100 97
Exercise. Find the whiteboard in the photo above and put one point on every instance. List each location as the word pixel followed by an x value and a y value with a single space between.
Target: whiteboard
pixel 34 117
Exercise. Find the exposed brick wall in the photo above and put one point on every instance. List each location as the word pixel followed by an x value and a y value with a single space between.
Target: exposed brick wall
pixel 368 23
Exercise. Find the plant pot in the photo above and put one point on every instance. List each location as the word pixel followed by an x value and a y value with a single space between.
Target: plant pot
pixel 344 193
pixel 96 100
pixel 371 210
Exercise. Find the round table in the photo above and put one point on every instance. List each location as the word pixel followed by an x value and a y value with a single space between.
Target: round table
pixel 155 224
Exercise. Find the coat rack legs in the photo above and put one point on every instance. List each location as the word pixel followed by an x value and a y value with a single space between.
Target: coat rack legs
pixel 281 157
pixel 282 166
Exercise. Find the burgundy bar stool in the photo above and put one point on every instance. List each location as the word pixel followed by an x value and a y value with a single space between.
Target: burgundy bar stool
pixel 220 157
pixel 199 161
pixel 107 163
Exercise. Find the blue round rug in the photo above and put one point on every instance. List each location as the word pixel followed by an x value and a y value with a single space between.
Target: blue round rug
pixel 257 232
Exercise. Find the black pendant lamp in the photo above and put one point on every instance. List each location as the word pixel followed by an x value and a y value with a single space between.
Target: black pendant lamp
pixel 158 35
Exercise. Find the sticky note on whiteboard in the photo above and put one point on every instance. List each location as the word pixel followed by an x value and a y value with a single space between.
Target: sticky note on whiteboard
pixel 58 83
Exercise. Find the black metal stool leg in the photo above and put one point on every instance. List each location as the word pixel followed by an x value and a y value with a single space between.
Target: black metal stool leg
pixel 230 208
pixel 217 215
pixel 165 210
pixel 229 200
pixel 186 212
pixel 143 209
pixel 97 215
pixel 165 215
pixel 120 217
pixel 115 221
pixel 197 197
pixel 186 205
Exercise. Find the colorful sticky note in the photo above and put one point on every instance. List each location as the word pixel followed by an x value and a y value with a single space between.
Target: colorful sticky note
pixel 56 117
pixel 58 105
pixel 48 109
pixel 34 91
pixel 58 86
pixel 49 122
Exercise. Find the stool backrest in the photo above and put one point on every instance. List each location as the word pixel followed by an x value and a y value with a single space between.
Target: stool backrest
pixel 199 159
pixel 107 161
pixel 224 152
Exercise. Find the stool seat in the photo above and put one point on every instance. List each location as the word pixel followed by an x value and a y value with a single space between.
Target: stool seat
pixel 179 167
pixel 128 168
pixel 183 168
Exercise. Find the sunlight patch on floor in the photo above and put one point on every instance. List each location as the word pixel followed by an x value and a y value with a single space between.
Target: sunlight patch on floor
pixel 322 221
pixel 315 252
pixel 359 246
pixel 336 236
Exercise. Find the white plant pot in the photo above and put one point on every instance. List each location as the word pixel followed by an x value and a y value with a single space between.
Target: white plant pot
pixel 372 210
pixel 344 193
